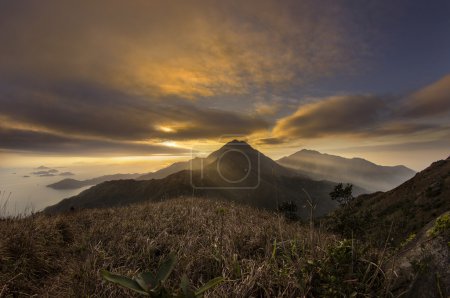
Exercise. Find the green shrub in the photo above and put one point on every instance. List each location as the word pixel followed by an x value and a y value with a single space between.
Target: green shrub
pixel 349 223
pixel 342 272
pixel 410 238
pixel 343 195
pixel 153 285
pixel 442 225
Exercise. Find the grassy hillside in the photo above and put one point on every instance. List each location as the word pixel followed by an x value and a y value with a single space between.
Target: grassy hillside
pixel 407 208
pixel 257 252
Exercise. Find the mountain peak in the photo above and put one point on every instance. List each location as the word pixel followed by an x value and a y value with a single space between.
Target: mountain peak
pixel 234 145
pixel 237 142
pixel 309 151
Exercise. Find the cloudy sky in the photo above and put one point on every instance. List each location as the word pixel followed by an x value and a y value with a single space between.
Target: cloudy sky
pixel 131 79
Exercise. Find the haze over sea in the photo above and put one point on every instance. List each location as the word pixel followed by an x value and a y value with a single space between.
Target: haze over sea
pixel 26 194
pixel 22 195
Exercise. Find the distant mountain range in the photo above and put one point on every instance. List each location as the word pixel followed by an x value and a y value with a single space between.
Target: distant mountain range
pixel 235 172
pixel 356 171
pixel 159 174
pixel 173 168
pixel 306 163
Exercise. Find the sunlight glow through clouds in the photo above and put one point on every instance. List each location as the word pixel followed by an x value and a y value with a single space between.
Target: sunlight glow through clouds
pixel 170 144
pixel 165 128
pixel 113 79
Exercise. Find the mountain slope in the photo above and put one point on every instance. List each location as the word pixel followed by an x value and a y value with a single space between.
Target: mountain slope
pixel 429 247
pixel 173 168
pixel 356 170
pixel 236 172
pixel 159 174
pixel 411 205
pixel 74 183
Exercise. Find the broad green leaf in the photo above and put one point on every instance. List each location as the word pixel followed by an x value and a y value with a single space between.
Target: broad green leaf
pixel 166 268
pixel 210 284
pixel 146 280
pixel 184 285
pixel 123 281
pixel 160 292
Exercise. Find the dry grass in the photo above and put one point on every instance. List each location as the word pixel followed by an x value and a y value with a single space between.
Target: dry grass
pixel 257 252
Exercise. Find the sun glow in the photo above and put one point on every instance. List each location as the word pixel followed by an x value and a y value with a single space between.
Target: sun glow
pixel 170 144
pixel 165 129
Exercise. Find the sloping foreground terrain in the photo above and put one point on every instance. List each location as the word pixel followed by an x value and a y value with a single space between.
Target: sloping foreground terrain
pixel 410 206
pixel 261 183
pixel 422 265
pixel 357 171
pixel 258 253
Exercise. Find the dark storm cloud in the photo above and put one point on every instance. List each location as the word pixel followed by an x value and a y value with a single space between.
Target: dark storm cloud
pixel 32 141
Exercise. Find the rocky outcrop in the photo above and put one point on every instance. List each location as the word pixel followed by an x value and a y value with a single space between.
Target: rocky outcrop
pixel 422 267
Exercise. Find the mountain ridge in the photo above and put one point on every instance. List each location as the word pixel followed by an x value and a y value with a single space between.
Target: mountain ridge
pixel 220 178
pixel 196 162
pixel 357 171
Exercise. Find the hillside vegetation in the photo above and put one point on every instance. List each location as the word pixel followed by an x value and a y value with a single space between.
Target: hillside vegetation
pixel 258 253
pixel 406 208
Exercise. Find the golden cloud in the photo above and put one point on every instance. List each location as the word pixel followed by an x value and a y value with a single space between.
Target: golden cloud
pixel 368 116
pixel 190 50
pixel 332 115
pixel 433 100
